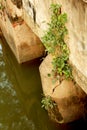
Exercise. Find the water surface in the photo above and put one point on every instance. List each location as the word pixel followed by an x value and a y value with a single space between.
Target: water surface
pixel 20 96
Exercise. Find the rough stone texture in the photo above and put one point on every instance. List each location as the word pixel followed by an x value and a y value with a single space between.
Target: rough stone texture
pixel 23 42
pixel 77 27
pixel 12 9
pixel 85 1
pixel 36 14
pixel 70 98
pixel 77 42
pixel 0 33
pixel 18 3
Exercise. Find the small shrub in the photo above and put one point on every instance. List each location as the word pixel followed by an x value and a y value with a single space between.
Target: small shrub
pixel 54 42
pixel 47 103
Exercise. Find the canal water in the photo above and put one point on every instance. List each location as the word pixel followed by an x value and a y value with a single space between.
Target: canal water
pixel 20 96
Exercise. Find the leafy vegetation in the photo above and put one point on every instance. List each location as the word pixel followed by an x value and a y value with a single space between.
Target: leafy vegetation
pixel 55 44
pixel 1 5
pixel 47 103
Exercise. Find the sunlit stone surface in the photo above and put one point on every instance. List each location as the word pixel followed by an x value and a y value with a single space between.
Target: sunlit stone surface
pixel 24 43
pixel 77 30
pixel 70 98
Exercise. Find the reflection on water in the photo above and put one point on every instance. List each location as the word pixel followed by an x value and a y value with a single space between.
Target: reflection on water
pixel 12 116
pixel 20 96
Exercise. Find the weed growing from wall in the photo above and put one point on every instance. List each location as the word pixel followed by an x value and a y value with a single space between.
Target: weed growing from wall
pixel 54 42
pixel 47 103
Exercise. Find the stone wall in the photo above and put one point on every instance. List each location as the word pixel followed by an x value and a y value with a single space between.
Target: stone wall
pixel 23 42
pixel 37 14
pixel 70 99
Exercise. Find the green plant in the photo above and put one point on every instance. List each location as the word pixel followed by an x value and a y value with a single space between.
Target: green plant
pixel 54 42
pixel 1 6
pixel 47 103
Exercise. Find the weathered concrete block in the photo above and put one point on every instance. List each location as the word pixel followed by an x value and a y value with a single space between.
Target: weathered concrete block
pixel 70 98
pixel 36 14
pixel 23 42
pixel 77 29
pixel 77 41
pixel 0 33
pixel 12 8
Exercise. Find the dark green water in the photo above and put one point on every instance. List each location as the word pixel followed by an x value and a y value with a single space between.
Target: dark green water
pixel 20 96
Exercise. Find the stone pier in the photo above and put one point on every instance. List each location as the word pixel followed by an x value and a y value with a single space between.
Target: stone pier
pixel 24 43
pixel 69 98
pixel 23 24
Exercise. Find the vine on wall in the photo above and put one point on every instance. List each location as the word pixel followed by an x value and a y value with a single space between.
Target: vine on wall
pixel 54 43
